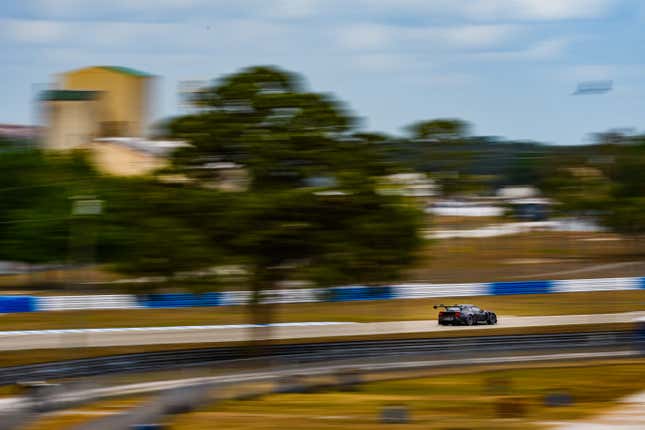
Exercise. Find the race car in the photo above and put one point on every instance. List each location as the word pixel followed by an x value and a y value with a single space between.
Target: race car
pixel 465 315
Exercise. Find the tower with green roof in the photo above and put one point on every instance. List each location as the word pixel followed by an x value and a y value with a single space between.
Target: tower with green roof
pixel 126 97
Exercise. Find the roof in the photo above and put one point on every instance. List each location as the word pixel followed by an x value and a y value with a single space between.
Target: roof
pixel 118 69
pixel 127 71
pixel 532 201
pixel 68 95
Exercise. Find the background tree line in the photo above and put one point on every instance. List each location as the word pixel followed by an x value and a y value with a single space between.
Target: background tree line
pixel 312 210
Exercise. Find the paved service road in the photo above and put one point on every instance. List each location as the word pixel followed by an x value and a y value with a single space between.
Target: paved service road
pixel 16 340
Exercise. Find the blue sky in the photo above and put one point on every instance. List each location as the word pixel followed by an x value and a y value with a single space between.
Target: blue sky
pixel 507 66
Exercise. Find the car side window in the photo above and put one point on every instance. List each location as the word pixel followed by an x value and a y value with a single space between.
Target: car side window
pixel 476 309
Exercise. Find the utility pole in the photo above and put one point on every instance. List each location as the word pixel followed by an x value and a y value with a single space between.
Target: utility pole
pixel 82 242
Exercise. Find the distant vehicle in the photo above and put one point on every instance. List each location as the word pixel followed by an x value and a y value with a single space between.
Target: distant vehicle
pixel 465 315
pixel 593 87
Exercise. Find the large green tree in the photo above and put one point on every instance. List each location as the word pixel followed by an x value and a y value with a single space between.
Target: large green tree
pixel 311 211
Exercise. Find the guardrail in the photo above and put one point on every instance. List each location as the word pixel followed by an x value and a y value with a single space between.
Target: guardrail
pixel 10 304
pixel 316 351
pixel 339 359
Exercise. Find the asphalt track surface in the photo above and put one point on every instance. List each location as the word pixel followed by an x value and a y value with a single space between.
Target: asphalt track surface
pixel 52 339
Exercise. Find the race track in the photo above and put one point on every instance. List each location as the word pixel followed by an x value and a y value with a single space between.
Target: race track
pixel 48 339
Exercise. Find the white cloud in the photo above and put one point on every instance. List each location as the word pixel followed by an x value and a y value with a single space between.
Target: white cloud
pixel 539 9
pixel 381 37
pixel 475 36
pixel 150 10
pixel 380 62
pixel 33 31
pixel 293 8
pixel 592 72
pixel 125 36
pixel 493 9
pixel 469 10
pixel 366 36
pixel 82 7
pixel 544 50
pixel 547 49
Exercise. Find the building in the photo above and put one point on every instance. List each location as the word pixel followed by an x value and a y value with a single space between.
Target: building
pixel 125 97
pixel 19 132
pixel 105 110
pixel 71 118
pixel 127 156
pixel 517 192
pixel 411 184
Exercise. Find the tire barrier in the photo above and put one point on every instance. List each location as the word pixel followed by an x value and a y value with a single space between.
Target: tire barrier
pixel 10 304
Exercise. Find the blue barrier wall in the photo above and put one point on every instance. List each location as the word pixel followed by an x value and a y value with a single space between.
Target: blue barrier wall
pixel 179 300
pixel 348 294
pixel 524 287
pixel 10 304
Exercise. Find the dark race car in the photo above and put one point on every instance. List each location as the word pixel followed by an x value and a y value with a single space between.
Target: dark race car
pixel 465 315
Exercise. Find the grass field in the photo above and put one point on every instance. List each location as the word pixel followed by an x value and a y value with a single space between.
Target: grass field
pixel 360 311
pixel 463 401
pixel 67 419
pixel 536 255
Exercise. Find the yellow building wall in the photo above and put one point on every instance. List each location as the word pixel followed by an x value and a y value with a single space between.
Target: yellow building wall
pixel 71 124
pixel 119 160
pixel 124 103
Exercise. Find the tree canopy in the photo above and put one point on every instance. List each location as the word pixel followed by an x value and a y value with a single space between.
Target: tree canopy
pixel 311 211
pixel 263 119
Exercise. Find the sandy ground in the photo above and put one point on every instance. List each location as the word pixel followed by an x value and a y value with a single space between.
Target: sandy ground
pixel 629 416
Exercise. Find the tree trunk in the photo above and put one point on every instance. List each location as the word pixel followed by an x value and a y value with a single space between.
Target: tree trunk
pixel 261 316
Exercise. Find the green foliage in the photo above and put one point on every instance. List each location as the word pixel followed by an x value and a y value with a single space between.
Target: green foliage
pixel 439 129
pixel 608 183
pixel 263 119
pixel 154 229
pixel 35 203
pixel 326 238
pixel 144 228
pixel 625 208
pixel 311 212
